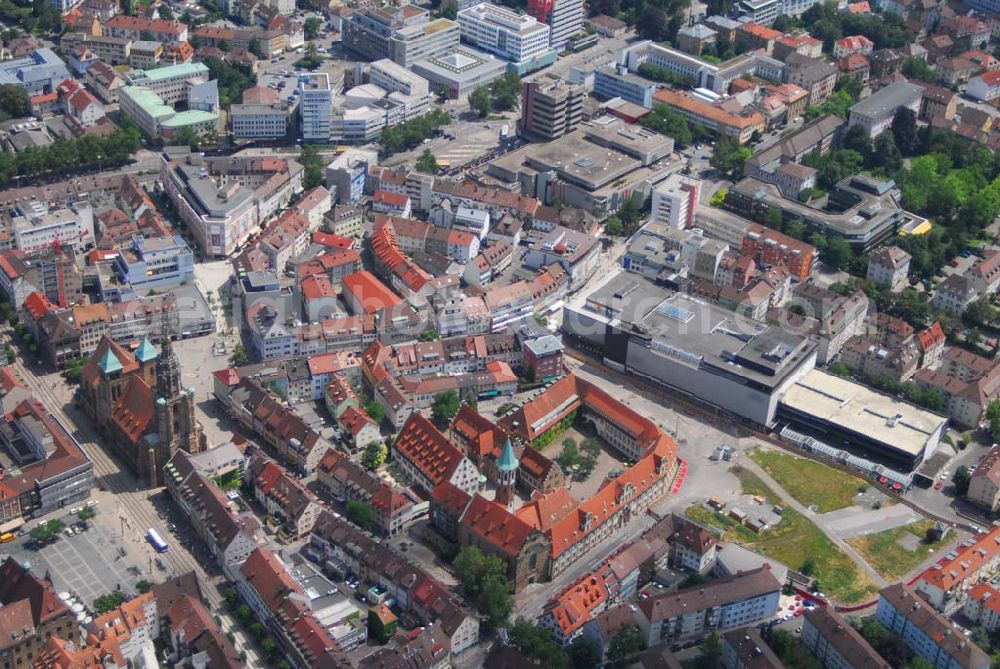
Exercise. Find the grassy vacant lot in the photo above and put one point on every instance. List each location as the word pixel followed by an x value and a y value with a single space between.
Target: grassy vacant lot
pixel 793 541
pixel 808 481
pixel 883 552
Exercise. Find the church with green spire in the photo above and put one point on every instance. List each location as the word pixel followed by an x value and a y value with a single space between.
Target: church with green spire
pixel 137 401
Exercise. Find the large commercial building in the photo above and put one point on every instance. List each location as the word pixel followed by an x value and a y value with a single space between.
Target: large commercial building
pixel 699 351
pixel 223 200
pixel 315 107
pixel 404 34
pixel 886 429
pixel 515 37
pixel 595 168
pixel 155 262
pixel 460 71
pixel 35 226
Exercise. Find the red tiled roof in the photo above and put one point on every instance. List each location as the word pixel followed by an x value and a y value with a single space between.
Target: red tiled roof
pixel 930 337
pixel 391 199
pixel 317 286
pixel 427 449
pixel 493 523
pixel 969 558
pixel 371 293
pixel 575 605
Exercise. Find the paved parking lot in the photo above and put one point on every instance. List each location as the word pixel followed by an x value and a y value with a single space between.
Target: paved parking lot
pixel 86 565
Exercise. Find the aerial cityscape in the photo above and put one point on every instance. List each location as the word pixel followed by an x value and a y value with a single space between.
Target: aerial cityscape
pixel 510 334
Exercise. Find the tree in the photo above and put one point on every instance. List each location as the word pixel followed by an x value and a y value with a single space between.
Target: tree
pixel 231 595
pixel 627 643
pixel 484 579
pixel 904 131
pixel 313 164
pixel 146 36
pixel 885 153
pixel 359 513
pixel 268 645
pixel 14 101
pixel 239 356
pixel 143 586
pixel 430 334
pixel 919 663
pixel 653 23
pixel 630 213
pixel 993 416
pixel 981 312
pixel 961 479
pixel 311 27
pixel 257 630
pixel 808 567
pixel 375 411
pixel 427 163
pixel 837 253
pixel 445 406
pixel 257 49
pixel 449 10
pixel 584 653
pixel 86 513
pixel 244 612
pixel 537 644
pixel 729 156
pixel 163 9
pixel 668 122
pixel 613 227
pixel 481 101
pixel 108 602
pixel 45 532
pixel 375 455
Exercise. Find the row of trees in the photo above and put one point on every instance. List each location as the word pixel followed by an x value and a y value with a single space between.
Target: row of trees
pixel 68 156
pixel 404 136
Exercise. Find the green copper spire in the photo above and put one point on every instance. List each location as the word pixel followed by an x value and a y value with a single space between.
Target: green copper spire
pixel 507 461
pixel 109 362
pixel 146 351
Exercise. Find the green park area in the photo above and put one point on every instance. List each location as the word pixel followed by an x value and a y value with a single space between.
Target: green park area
pixel 794 542
pixel 810 483
pixel 894 553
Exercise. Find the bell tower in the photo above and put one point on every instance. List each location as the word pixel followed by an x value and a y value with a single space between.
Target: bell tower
pixel 506 475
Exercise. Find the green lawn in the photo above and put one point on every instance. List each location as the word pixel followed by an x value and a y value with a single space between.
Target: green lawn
pixel 890 559
pixel 793 541
pixel 808 481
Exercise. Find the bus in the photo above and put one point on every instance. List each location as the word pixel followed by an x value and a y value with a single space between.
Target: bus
pixel 156 541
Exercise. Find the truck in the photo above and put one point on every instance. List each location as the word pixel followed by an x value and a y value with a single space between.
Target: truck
pixel 504 131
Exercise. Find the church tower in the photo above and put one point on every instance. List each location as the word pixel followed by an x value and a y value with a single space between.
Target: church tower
pixel 506 475
pixel 147 355
pixel 176 423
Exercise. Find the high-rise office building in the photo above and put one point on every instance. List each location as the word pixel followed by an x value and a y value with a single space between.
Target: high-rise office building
pixel 315 107
pixel 550 108
pixel 565 18
pixel 675 202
